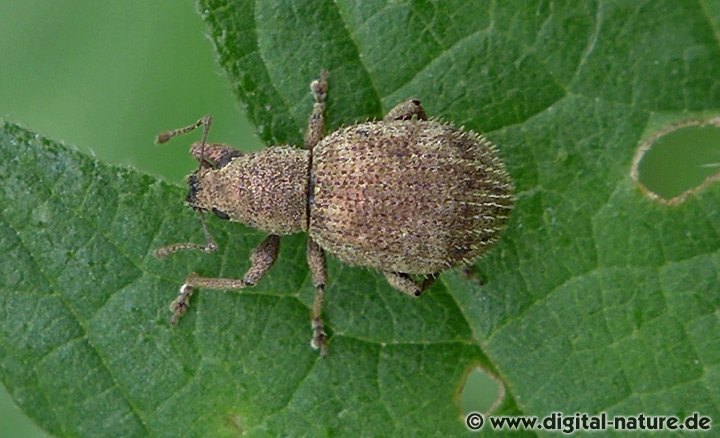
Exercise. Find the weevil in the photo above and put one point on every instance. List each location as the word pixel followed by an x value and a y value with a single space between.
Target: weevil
pixel 406 195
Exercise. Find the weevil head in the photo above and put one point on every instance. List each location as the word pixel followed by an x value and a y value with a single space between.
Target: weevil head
pixel 266 190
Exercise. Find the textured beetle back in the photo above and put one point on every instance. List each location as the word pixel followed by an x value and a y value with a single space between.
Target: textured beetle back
pixel 408 196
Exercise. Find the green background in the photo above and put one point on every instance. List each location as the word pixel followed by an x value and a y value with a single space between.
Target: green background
pixel 107 77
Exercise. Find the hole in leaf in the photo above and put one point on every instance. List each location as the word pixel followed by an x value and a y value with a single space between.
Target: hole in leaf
pixel 482 392
pixel 678 161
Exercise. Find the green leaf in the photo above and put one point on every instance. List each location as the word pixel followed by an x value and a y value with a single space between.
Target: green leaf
pixel 596 298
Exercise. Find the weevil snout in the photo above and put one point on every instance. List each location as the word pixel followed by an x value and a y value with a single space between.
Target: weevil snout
pixel 193 200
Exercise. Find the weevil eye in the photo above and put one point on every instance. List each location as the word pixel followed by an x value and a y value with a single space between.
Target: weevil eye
pixel 193 188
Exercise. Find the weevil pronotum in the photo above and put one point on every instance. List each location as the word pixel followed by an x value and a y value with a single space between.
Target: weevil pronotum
pixel 408 196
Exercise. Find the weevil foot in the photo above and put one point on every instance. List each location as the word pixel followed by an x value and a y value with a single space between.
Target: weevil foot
pixel 181 304
pixel 319 339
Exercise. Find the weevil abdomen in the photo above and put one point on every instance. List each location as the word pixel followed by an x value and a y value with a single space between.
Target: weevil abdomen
pixel 408 196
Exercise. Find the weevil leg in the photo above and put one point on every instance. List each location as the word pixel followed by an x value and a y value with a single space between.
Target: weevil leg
pixel 406 111
pixel 318 269
pixel 316 122
pixel 261 259
pixel 215 155
pixel 405 284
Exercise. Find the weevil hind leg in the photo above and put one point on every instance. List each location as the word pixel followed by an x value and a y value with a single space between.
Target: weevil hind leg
pixel 316 122
pixel 406 111
pixel 318 270
pixel 405 284
pixel 261 260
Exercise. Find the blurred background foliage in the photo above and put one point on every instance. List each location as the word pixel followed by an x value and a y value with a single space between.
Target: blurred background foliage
pixel 107 77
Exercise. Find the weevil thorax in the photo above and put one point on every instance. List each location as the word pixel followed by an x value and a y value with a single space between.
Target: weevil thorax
pixel 266 190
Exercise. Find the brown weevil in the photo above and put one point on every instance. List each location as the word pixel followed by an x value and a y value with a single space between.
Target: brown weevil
pixel 408 196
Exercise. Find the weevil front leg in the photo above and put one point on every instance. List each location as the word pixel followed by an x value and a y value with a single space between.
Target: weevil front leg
pixel 261 259
pixel 405 284
pixel 318 270
pixel 406 111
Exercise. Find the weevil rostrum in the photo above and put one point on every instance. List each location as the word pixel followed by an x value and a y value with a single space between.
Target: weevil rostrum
pixel 405 195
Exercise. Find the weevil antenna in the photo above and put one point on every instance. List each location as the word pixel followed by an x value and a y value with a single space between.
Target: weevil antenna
pixel 204 121
pixel 209 246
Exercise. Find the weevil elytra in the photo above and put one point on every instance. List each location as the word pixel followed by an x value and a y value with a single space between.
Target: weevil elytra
pixel 408 196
